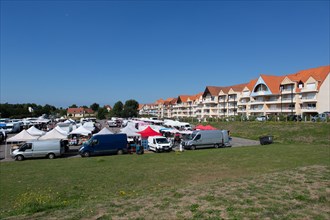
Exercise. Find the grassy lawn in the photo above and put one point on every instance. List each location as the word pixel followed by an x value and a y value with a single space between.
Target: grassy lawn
pixel 278 181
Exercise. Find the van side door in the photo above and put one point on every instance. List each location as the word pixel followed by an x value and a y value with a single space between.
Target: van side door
pixel 27 150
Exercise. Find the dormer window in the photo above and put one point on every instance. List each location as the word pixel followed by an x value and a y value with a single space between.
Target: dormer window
pixel 261 88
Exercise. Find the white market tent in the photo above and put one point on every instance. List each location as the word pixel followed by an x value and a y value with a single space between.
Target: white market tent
pixel 59 129
pixel 89 125
pixel 53 134
pixel 81 130
pixel 35 131
pixel 22 136
pixel 104 130
pixel 130 131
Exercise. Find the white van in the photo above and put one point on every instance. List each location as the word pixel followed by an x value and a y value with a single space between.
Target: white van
pixel 32 149
pixel 159 144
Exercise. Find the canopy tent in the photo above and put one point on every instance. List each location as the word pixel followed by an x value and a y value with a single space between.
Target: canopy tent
pixel 149 132
pixel 104 130
pixel 130 131
pixel 207 127
pixel 89 125
pixel 35 131
pixel 59 129
pixel 53 134
pixel 172 123
pixel 81 130
pixel 22 136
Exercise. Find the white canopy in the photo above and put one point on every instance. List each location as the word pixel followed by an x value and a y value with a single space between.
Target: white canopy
pixel 81 130
pixel 22 136
pixel 59 129
pixel 89 125
pixel 35 131
pixel 130 131
pixel 53 134
pixel 104 130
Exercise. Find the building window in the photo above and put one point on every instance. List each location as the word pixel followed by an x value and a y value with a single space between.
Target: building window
pixel 310 85
pixel 261 88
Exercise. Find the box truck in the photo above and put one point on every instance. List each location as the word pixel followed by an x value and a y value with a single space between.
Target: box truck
pixel 32 149
pixel 207 138
pixel 104 144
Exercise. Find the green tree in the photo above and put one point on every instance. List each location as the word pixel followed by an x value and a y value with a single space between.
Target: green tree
pixel 73 106
pixel 117 109
pixel 95 107
pixel 102 113
pixel 130 109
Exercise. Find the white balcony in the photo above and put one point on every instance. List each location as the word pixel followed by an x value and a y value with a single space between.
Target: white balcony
pixel 209 101
pixel 304 90
pixel 308 99
pixel 308 109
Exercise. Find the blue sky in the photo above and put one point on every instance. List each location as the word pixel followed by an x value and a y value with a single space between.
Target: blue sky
pixel 81 52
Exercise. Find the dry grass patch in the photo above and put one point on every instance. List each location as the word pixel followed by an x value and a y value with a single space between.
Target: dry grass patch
pixel 302 193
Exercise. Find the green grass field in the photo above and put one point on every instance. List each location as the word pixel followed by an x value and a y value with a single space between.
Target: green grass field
pixel 284 180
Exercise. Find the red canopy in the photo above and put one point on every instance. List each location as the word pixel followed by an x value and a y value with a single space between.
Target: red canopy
pixel 149 132
pixel 207 127
pixel 200 127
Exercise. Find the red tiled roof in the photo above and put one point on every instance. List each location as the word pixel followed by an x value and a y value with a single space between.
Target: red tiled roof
pixel 79 110
pixel 273 82
pixel 213 90
pixel 251 84
pixel 319 74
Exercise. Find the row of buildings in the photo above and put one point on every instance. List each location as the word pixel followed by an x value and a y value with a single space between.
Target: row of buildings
pixel 304 93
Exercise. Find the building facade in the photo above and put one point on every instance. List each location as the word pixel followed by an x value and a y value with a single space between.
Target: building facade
pixel 303 93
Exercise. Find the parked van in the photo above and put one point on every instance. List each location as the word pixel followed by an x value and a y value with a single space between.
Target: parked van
pixel 207 138
pixel 103 144
pixel 33 149
pixel 13 127
pixel 159 143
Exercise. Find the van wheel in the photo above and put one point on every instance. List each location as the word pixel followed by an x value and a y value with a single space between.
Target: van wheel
pixel 120 152
pixel 51 156
pixel 216 146
pixel 19 158
pixel 86 154
pixel 193 147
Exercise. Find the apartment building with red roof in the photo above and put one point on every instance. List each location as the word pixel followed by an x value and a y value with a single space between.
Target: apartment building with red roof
pixel 304 93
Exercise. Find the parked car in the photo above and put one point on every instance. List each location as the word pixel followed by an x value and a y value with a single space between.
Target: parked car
pixel 294 118
pixel 33 149
pixel 261 118
pixel 320 117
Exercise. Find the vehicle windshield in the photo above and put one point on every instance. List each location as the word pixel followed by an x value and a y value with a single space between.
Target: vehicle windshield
pixel 89 141
pixel 191 136
pixel 162 141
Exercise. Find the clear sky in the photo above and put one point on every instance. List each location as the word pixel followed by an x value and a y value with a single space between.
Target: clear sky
pixel 80 52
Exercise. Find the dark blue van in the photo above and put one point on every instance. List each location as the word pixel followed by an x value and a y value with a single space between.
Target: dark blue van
pixel 104 144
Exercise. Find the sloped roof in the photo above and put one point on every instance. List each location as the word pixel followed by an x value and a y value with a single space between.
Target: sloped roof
pixel 173 101
pixel 238 87
pixel 251 84
pixel 273 82
pixel 80 110
pixel 213 90
pixel 319 74
pixel 183 98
